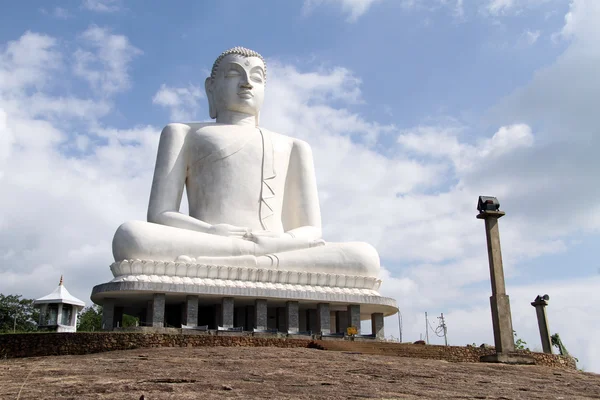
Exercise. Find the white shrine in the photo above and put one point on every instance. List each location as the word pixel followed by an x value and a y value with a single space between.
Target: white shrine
pixel 59 310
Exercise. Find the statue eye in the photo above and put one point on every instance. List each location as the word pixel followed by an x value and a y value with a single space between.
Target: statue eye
pixel 232 73
pixel 256 77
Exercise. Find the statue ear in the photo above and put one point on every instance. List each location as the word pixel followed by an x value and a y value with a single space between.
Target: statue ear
pixel 212 109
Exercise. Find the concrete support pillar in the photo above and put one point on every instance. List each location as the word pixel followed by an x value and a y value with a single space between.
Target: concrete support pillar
pixel 499 301
pixel 281 325
pixel 341 321
pixel 158 310
pixel 108 314
pixel 292 317
pixel 191 310
pixel 540 309
pixel 260 314
pixel 354 317
pixel 118 317
pixel 323 321
pixel 227 312
pixel 377 326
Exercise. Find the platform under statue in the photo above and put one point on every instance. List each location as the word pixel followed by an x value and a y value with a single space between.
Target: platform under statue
pixel 251 244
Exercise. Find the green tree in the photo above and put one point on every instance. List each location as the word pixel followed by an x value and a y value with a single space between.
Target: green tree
pixel 17 314
pixel 90 319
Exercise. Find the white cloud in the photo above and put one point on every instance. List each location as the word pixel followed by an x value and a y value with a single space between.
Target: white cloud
pixel 182 103
pixel 512 7
pixel 529 38
pixel 354 9
pixel 103 60
pixel 103 6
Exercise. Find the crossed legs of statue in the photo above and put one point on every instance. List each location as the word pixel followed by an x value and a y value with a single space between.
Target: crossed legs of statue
pixel 148 241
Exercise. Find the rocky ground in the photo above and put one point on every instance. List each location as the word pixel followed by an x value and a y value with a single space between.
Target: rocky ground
pixel 246 372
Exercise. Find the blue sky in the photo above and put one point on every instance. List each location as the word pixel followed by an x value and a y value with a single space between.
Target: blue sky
pixel 413 109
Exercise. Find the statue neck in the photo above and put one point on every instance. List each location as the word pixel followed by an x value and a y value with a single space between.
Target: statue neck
pixel 236 118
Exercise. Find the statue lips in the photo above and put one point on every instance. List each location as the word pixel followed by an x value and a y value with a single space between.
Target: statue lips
pixel 245 94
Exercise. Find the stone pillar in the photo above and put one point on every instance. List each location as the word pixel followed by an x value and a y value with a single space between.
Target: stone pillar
pixel 108 314
pixel 158 310
pixel 341 321
pixel 354 317
pixel 118 317
pixel 227 312
pixel 281 325
pixel 323 321
pixel 292 317
pixel 191 311
pixel 260 314
pixel 499 301
pixel 540 304
pixel 377 326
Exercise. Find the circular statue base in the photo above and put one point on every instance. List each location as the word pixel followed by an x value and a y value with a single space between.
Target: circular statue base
pixel 240 298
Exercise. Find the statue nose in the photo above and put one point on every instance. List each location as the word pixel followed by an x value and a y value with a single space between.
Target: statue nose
pixel 246 85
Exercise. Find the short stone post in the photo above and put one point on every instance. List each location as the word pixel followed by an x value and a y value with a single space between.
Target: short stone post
pixel 540 304
pixel 108 314
pixel 292 316
pixel 323 321
pixel 227 312
pixel 260 313
pixel 158 310
pixel 354 317
pixel 191 311
pixel 377 326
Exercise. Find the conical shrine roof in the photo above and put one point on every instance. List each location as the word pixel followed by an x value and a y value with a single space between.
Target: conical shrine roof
pixel 60 295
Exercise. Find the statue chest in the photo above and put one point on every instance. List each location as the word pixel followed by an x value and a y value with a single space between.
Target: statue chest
pixel 239 182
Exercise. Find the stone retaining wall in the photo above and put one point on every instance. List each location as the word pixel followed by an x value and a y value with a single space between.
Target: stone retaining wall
pixel 49 344
pixel 436 352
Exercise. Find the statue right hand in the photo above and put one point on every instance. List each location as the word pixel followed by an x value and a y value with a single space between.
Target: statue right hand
pixel 228 230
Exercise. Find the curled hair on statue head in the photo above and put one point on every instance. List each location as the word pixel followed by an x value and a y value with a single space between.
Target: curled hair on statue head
pixel 240 51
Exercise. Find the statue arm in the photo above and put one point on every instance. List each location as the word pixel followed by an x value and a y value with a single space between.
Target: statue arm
pixel 301 212
pixel 169 180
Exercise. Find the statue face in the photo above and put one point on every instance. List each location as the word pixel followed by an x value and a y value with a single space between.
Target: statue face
pixel 239 85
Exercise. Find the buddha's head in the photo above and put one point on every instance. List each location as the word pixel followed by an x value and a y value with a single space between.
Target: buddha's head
pixel 237 83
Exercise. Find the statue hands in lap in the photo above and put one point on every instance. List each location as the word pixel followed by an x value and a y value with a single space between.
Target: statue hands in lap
pixel 252 193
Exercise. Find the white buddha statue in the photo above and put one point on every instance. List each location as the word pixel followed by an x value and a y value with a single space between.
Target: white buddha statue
pixel 252 193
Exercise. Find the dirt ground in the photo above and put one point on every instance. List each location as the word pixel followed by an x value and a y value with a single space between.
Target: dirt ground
pixel 245 372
